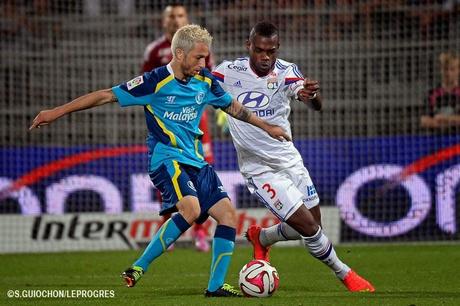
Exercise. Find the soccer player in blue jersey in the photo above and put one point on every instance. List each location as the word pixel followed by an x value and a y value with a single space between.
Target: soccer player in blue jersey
pixel 174 97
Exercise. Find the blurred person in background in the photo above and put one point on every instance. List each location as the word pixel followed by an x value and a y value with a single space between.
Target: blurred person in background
pixel 13 22
pixel 443 102
pixel 158 53
pixel 96 8
pixel 29 23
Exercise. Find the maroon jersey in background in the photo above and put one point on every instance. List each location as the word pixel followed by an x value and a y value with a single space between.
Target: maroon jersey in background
pixel 444 102
pixel 158 53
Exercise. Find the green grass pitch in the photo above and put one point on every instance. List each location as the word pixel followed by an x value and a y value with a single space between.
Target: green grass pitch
pixel 402 275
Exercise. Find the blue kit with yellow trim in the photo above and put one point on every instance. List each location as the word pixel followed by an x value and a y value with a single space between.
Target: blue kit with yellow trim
pixel 173 110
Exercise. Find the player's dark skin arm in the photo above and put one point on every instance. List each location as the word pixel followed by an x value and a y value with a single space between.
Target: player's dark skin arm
pixel 238 111
pixel 310 95
pixel 315 103
pixel 90 100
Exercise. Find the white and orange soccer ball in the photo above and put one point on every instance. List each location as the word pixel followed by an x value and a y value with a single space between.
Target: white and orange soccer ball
pixel 258 279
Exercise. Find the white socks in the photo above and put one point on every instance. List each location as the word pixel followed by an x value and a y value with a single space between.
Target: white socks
pixel 278 232
pixel 318 245
pixel 321 248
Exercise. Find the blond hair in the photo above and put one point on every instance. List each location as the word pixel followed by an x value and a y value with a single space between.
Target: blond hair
pixel 186 37
pixel 446 59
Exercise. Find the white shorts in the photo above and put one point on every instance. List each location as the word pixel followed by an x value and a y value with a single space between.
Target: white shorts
pixel 283 192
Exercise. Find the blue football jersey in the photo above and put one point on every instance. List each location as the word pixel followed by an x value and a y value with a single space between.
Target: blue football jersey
pixel 173 110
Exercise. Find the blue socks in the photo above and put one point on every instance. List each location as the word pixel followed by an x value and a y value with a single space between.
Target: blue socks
pixel 165 236
pixel 222 250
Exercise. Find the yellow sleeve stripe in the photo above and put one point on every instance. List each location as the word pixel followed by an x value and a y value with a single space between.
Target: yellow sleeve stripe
pixel 149 107
pixel 170 134
pixel 196 149
pixel 164 82
pixel 175 182
pixel 203 79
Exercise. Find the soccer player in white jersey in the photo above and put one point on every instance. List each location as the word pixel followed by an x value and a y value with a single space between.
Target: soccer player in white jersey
pixel 273 170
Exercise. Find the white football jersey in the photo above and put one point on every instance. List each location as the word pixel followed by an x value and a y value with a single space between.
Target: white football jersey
pixel 269 98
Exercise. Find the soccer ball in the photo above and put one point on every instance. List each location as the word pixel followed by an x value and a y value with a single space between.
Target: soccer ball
pixel 258 279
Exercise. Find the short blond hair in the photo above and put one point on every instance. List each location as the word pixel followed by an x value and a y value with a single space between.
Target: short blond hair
pixel 186 37
pixel 446 59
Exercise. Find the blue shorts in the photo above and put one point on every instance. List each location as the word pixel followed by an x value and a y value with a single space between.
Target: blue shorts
pixel 175 181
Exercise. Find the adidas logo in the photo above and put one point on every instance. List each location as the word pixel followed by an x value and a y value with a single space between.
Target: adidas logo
pixel 238 84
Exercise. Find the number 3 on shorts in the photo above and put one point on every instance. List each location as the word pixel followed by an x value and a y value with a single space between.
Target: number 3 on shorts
pixel 269 189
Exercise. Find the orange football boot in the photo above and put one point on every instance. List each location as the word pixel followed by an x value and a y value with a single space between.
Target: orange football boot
pixel 356 283
pixel 259 251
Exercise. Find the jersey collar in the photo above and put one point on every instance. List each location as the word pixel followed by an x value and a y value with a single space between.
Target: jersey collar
pixel 170 70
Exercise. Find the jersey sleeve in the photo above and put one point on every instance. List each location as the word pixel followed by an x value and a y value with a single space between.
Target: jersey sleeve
pixel 138 91
pixel 217 96
pixel 293 80
pixel 219 72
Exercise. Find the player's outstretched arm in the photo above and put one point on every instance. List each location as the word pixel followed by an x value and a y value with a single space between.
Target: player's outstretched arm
pixel 238 111
pixel 310 94
pixel 90 100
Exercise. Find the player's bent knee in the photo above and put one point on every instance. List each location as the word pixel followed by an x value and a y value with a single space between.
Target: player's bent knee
pixel 229 218
pixel 224 213
pixel 303 222
pixel 189 208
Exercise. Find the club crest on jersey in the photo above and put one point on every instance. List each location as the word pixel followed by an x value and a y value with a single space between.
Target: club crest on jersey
pixel 199 98
pixel 135 82
pixel 278 205
pixel 272 83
